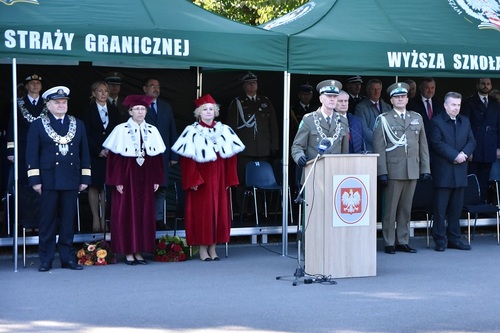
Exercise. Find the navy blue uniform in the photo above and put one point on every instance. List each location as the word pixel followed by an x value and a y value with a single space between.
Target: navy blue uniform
pixel 60 176
pixel 28 199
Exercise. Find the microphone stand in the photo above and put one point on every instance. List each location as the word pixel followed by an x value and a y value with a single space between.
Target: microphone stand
pixel 300 271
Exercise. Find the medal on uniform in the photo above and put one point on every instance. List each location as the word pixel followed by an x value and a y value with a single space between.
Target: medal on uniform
pixel 63 149
pixel 140 159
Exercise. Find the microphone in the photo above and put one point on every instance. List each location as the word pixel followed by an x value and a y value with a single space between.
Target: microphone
pixel 324 144
pixel 359 135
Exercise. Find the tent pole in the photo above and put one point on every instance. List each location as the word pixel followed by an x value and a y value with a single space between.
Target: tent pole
pixel 286 136
pixel 199 82
pixel 16 160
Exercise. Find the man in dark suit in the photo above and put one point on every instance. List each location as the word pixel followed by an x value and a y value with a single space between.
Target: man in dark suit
pixel 161 116
pixel 352 122
pixel 425 103
pixel 370 108
pixel 484 116
pixel 58 163
pixel 451 142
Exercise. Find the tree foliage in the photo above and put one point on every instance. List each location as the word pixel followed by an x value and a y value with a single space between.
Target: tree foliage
pixel 253 12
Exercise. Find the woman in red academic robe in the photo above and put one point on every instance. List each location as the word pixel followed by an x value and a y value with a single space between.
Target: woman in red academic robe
pixel 134 171
pixel 207 151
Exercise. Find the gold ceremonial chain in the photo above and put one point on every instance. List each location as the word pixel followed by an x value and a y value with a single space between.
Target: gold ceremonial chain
pixel 26 114
pixel 211 134
pixel 139 152
pixel 61 140
pixel 338 127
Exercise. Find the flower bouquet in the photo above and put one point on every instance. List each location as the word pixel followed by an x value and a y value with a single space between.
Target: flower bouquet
pixel 96 253
pixel 172 249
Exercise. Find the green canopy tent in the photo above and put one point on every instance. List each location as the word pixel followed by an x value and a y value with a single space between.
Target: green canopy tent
pixel 445 38
pixel 173 34
pixel 134 33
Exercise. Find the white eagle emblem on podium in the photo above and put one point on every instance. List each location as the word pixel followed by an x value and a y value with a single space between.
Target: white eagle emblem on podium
pixel 351 200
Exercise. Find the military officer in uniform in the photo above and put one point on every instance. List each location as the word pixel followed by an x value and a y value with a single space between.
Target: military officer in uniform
pixel 29 108
pixel 399 139
pixel 253 118
pixel 58 163
pixel 321 124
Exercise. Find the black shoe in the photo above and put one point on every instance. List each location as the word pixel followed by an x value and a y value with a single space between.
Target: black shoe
pixel 389 250
pixel 141 262
pixel 72 265
pixel 459 246
pixel 405 248
pixel 130 262
pixel 439 248
pixel 45 267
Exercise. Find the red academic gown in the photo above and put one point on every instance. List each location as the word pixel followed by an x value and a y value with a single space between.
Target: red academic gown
pixel 133 221
pixel 208 211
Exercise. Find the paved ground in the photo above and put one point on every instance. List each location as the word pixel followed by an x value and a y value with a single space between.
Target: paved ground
pixel 453 291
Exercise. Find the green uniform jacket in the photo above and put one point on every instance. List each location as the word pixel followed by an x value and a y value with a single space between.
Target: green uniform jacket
pixel 307 138
pixel 402 163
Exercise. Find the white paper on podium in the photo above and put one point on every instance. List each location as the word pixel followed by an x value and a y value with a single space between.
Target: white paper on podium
pixel 350 200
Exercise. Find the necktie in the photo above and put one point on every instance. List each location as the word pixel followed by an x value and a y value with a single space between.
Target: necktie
pixel 429 109
pixel 328 121
pixel 104 117
pixel 376 106
pixel 153 106
pixel 402 116
pixel 306 108
pixel 114 102
pixel 60 121
pixel 485 101
pixel 34 102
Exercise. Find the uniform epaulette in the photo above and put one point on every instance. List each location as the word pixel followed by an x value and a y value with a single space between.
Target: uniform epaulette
pixel 308 114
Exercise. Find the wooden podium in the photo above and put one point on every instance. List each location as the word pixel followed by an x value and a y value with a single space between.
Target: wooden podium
pixel 340 223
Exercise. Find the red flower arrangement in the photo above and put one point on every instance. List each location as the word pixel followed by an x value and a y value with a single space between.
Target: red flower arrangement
pixel 172 249
pixel 96 253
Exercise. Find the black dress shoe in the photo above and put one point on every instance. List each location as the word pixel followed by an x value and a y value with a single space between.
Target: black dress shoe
pixel 44 267
pixel 72 265
pixel 130 262
pixel 389 250
pixel 405 248
pixel 459 246
pixel 439 248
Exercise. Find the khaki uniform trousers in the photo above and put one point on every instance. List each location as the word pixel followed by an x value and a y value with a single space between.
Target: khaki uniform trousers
pixel 398 202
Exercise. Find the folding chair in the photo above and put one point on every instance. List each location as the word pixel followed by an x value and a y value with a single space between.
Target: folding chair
pixel 474 205
pixel 259 176
pixel 423 203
